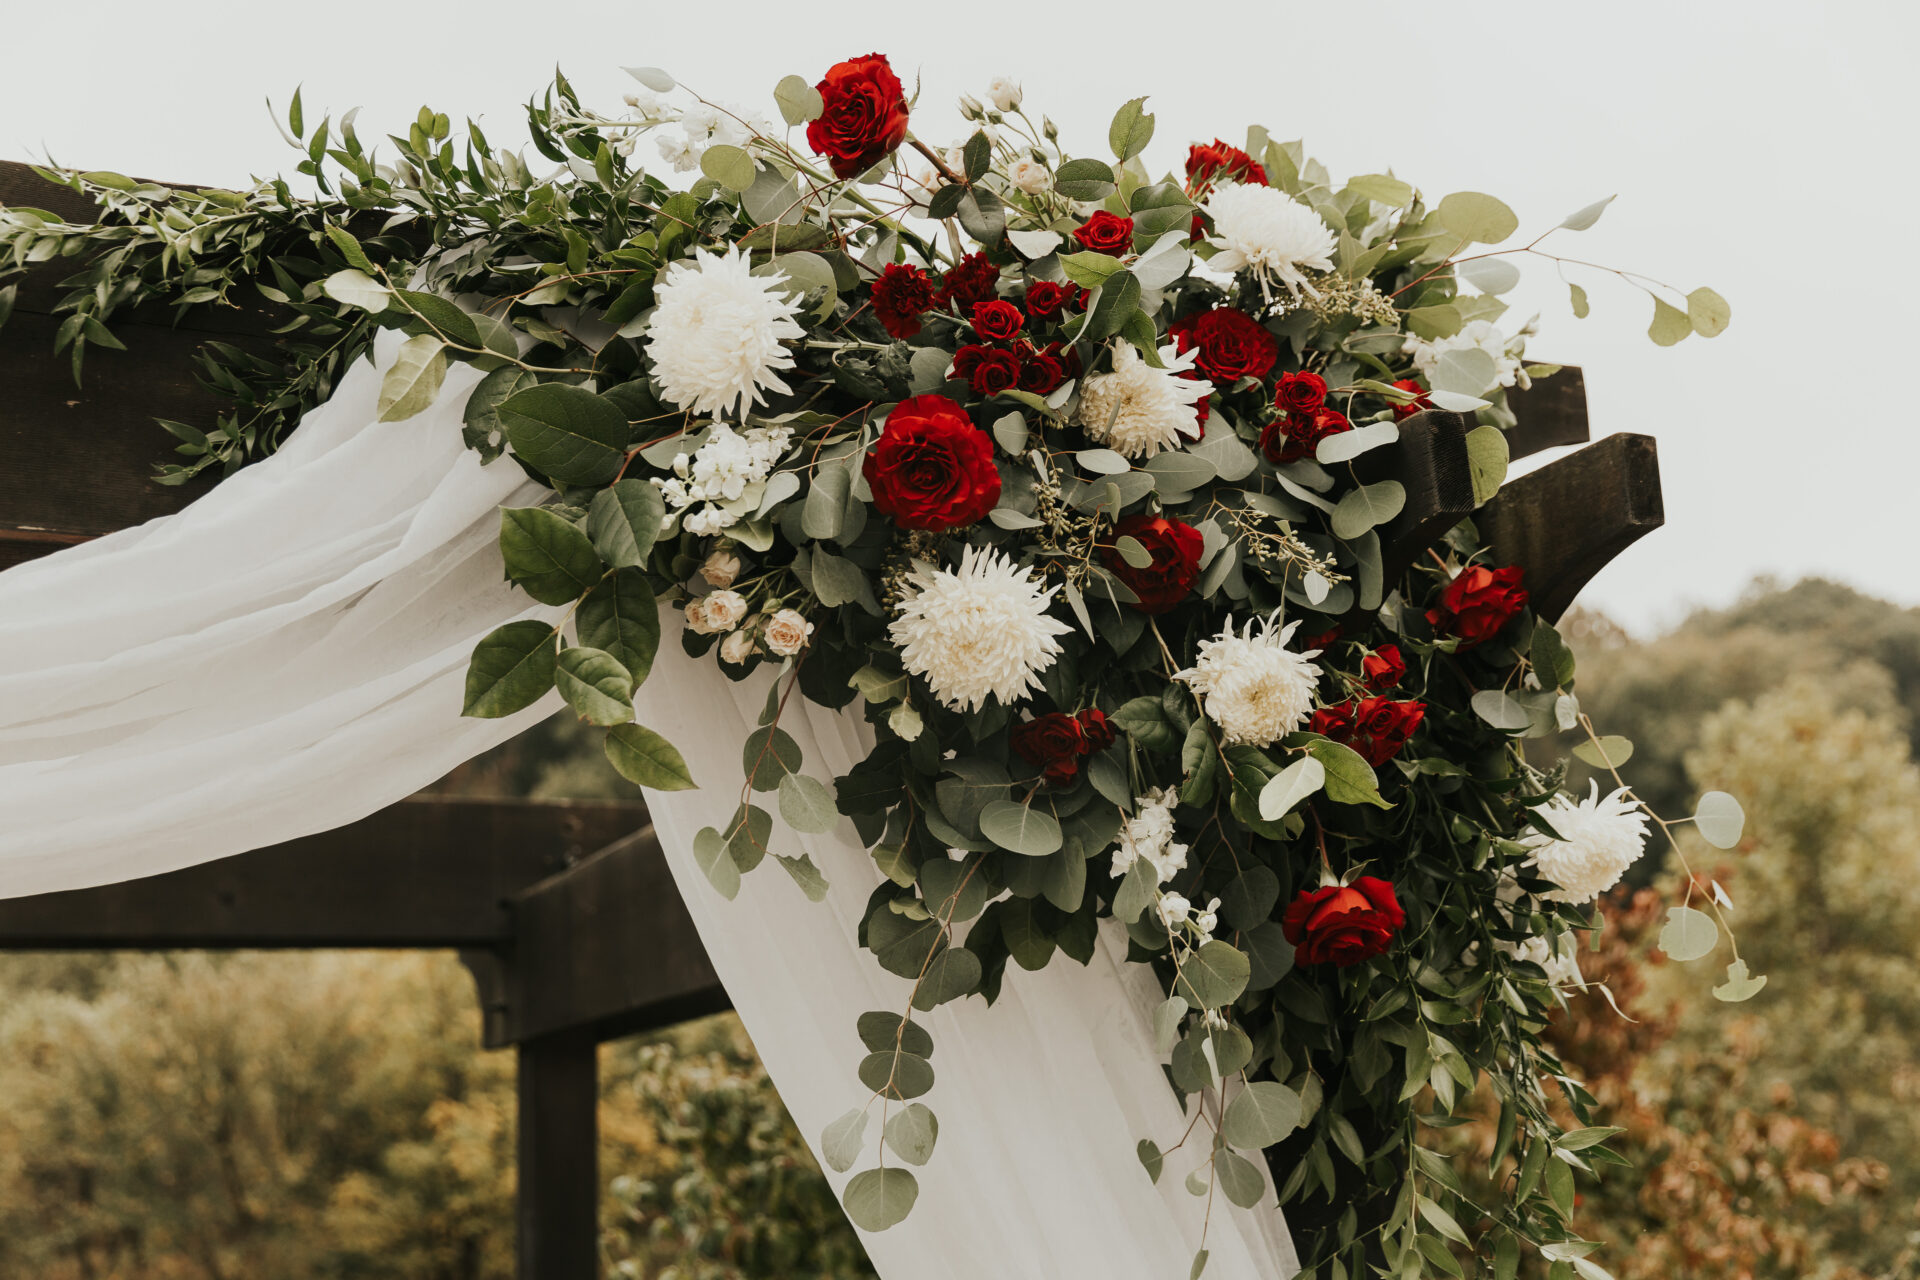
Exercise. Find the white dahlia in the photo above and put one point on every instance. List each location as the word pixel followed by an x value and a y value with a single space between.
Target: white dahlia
pixel 1138 410
pixel 978 630
pixel 715 336
pixel 1256 689
pixel 1266 231
pixel 1600 838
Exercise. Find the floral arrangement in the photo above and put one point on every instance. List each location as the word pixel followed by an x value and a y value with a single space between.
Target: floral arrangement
pixel 1055 471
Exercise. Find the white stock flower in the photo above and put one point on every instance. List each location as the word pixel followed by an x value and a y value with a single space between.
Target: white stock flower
pixel 1481 335
pixel 1004 92
pixel 715 335
pixel 1600 838
pixel 1138 410
pixel 1256 689
pixel 1266 231
pixel 1562 962
pixel 1029 175
pixel 679 150
pixel 737 647
pixel 787 633
pixel 709 490
pixel 1173 909
pixel 977 631
pixel 1205 922
pixel 1148 833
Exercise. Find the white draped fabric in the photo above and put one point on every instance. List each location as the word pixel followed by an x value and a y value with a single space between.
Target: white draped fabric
pixel 287 655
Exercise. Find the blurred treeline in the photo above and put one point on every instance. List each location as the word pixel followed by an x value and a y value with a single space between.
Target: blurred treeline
pixel 279 1117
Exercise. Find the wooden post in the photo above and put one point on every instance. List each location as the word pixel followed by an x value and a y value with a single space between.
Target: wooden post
pixel 557 1201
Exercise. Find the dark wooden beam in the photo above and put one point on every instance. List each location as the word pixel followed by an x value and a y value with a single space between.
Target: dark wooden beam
pixel 1550 413
pixel 427 872
pixel 557 1188
pixel 1565 521
pixel 1431 465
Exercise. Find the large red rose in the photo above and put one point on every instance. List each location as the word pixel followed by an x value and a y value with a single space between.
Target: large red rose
pixel 1478 603
pixel 932 468
pixel 1300 392
pixel 1228 345
pixel 1106 233
pixel 1096 729
pixel 1052 743
pixel 970 280
pixel 1384 667
pixel 863 116
pixel 1206 159
pixel 1175 548
pixel 1045 299
pixel 1343 924
pixel 996 319
pixel 900 296
pixel 1297 435
pixel 1421 400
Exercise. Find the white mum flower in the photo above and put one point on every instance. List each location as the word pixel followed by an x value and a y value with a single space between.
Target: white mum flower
pixel 1266 231
pixel 1481 335
pixel 1600 838
pixel 977 631
pixel 715 336
pixel 1138 410
pixel 1256 689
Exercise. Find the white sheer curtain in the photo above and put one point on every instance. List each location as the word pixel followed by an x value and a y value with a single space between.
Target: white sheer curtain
pixel 288 655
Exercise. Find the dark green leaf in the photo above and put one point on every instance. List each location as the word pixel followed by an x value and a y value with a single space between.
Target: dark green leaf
pixel 623 522
pixel 621 616
pixel 595 685
pixel 566 432
pixel 547 557
pixel 512 668
pixel 644 757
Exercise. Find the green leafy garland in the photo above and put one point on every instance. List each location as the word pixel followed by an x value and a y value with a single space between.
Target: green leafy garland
pixel 1352 915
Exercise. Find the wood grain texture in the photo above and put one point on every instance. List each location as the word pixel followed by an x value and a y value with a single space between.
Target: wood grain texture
pixel 1550 413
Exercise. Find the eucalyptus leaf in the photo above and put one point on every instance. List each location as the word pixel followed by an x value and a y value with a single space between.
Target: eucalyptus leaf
pixel 1020 828
pixel 1487 458
pixel 807 804
pixel 842 1141
pixel 1293 784
pixel 1476 216
pixel 1688 934
pixel 1739 984
pixel 710 855
pixel 881 1198
pixel 1262 1114
pixel 912 1132
pixel 1213 976
pixel 1367 507
pixel 1719 819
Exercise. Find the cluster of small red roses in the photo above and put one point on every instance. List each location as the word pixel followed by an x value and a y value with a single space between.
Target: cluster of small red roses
pixel 1211 161
pixel 1305 418
pixel 1478 603
pixel 1056 743
pixel 1008 358
pixel 1375 727
pixel 1175 550
pixel 904 293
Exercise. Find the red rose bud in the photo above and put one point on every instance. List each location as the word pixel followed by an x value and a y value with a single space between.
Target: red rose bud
pixel 1207 159
pixel 1297 435
pixel 1175 551
pixel 900 296
pixel 863 115
pixel 970 280
pixel 1106 233
pixel 1421 400
pixel 1096 729
pixel 932 468
pixel 1384 667
pixel 1052 743
pixel 997 320
pixel 1041 371
pixel 1478 603
pixel 1343 924
pixel 1300 392
pixel 1228 345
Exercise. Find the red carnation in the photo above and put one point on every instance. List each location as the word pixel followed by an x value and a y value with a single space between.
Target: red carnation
pixel 1175 549
pixel 1228 345
pixel 1106 233
pixel 863 115
pixel 1478 603
pixel 1297 435
pixel 1384 667
pixel 900 296
pixel 1300 392
pixel 1041 371
pixel 1376 728
pixel 1421 400
pixel 970 280
pixel 1343 924
pixel 996 319
pixel 1096 729
pixel 1052 743
pixel 932 468
pixel 1205 160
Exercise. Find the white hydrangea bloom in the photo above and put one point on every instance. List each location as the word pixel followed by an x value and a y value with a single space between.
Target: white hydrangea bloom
pixel 1266 231
pixel 978 631
pixel 1138 410
pixel 709 485
pixel 1508 353
pixel 715 336
pixel 1256 689
pixel 1148 833
pixel 1600 838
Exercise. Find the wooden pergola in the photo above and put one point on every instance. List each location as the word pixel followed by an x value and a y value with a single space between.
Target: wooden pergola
pixel 565 912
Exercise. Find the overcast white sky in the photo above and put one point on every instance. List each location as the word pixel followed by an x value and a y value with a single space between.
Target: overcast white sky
pixel 1764 148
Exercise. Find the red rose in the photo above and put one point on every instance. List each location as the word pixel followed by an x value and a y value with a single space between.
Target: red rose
pixel 1297 435
pixel 1478 603
pixel 1325 640
pixel 1300 392
pixel 1175 548
pixel 1384 667
pixel 1205 159
pixel 1045 299
pixel 1343 924
pixel 900 296
pixel 1376 728
pixel 1228 345
pixel 1096 729
pixel 988 370
pixel 1106 233
pixel 996 319
pixel 863 116
pixel 1421 400
pixel 932 468
pixel 1052 743
pixel 1041 371
pixel 970 280
pixel 1334 722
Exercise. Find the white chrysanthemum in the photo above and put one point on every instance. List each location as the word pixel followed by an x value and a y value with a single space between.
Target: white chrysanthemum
pixel 978 630
pixel 1138 410
pixel 1478 335
pixel 1266 231
pixel 1600 838
pixel 715 336
pixel 1256 689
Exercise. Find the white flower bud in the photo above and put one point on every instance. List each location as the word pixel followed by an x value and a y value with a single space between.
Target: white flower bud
pixel 787 633
pixel 737 647
pixel 970 106
pixel 721 568
pixel 1030 176
pixel 1004 92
